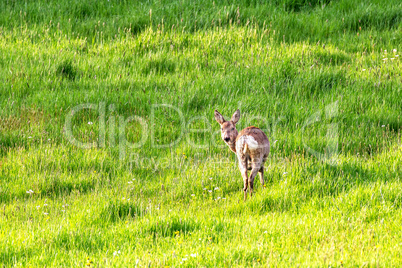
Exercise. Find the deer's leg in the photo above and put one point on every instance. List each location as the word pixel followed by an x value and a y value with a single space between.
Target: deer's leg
pixel 245 182
pixel 254 171
pixel 243 170
pixel 261 172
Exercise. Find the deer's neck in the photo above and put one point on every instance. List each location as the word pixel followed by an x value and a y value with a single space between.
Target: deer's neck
pixel 232 147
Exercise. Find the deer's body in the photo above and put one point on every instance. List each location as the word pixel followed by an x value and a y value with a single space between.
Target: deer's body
pixel 251 147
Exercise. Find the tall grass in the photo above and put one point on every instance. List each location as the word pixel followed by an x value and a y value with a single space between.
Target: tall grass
pixel 314 75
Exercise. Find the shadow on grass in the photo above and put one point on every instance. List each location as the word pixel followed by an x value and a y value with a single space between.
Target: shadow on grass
pixel 11 256
pixel 70 240
pixel 52 189
pixel 326 81
pixel 58 188
pixel 159 66
pixel 173 226
pixel 117 211
pixel 66 70
pixel 274 204
pixel 10 142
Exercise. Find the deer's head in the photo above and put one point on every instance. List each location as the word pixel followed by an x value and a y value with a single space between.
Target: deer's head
pixel 228 128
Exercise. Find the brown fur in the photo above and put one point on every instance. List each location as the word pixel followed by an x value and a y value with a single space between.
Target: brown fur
pixel 251 146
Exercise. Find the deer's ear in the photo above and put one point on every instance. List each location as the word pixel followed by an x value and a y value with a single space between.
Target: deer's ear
pixel 236 116
pixel 219 118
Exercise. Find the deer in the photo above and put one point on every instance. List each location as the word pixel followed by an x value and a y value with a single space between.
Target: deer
pixel 251 147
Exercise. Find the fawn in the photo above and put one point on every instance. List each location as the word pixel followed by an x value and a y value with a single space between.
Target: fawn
pixel 251 146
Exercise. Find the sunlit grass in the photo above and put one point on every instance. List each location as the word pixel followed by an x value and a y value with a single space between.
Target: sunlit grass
pixel 283 64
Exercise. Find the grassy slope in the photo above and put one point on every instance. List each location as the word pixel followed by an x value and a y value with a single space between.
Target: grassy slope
pixel 278 63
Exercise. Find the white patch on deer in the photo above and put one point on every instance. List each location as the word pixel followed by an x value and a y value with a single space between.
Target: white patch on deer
pixel 245 142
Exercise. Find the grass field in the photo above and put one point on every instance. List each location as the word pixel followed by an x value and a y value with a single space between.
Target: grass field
pixel 110 154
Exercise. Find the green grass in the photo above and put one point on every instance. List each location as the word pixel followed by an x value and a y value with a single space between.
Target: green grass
pixel 158 187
